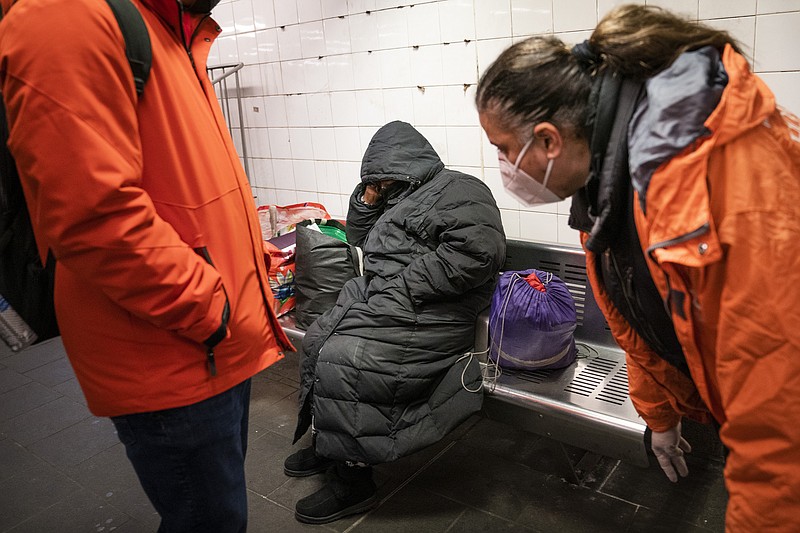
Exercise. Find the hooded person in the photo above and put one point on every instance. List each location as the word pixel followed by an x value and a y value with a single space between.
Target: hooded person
pixel 388 370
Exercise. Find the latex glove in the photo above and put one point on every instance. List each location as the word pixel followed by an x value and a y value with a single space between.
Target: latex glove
pixel 669 447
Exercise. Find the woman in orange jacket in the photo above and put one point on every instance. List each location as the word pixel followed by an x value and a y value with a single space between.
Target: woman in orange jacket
pixel 162 296
pixel 685 178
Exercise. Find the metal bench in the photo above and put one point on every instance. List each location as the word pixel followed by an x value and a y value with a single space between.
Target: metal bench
pixel 585 405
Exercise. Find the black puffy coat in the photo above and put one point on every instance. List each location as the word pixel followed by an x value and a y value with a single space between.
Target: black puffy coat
pixel 385 372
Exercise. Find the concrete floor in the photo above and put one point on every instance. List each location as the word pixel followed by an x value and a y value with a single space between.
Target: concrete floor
pixel 63 470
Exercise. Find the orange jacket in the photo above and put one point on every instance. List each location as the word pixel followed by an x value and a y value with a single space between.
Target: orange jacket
pixel 128 195
pixel 722 232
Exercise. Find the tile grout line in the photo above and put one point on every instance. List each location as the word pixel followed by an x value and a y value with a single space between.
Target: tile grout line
pixel 452 525
pixel 603 484
pixel 401 486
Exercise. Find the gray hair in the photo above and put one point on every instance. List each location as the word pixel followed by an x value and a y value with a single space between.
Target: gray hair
pixel 533 81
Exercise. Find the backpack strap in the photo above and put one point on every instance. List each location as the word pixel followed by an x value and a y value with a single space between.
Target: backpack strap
pixel 137 40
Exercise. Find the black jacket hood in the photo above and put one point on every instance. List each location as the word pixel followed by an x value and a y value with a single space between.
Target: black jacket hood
pixel 398 151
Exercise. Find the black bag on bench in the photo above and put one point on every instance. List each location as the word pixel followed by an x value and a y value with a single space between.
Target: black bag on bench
pixel 323 264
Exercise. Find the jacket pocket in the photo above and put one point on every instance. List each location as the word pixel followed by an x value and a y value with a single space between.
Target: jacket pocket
pixel 222 330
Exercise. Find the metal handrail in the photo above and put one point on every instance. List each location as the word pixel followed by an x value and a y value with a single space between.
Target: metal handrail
pixel 234 68
pixel 228 70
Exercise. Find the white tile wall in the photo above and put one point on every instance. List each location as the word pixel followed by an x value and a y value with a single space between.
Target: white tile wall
pixel 712 9
pixel 370 108
pixel 395 67
pixel 223 14
pixel 340 72
pixel 309 10
pixel 312 42
pixel 510 220
pixel 243 19
pixel 426 65
pixel 687 8
pixel 336 32
pixel 392 28
pixel 538 226
pixel 283 173
pixel 348 144
pixel 275 111
pixel 423 24
pixel 366 70
pixel 327 176
pixel 785 86
pixel 263 15
pixel 363 32
pixel 344 109
pixel 272 78
pixel 530 17
pixel 492 18
pixel 279 143
pixel 778 6
pixel 463 146
pixel 743 29
pixel 398 104
pixel 285 11
pixel 247 46
pixel 321 76
pixel 360 6
pixel 297 110
pixel 334 8
pixel 319 109
pixel 457 20
pixel 777 42
pixel 289 45
pixel 574 15
pixel 267 45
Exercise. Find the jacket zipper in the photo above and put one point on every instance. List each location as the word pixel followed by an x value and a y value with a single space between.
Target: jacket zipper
pixel 626 284
pixel 187 44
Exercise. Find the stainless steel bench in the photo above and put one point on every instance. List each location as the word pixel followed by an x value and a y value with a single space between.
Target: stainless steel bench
pixel 585 405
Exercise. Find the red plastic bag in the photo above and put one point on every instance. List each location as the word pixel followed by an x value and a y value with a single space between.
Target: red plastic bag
pixel 281 272
pixel 278 220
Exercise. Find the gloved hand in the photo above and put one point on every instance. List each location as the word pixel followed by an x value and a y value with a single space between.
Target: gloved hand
pixel 669 447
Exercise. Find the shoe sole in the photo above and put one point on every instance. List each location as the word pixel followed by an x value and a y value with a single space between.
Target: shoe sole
pixel 361 507
pixel 306 473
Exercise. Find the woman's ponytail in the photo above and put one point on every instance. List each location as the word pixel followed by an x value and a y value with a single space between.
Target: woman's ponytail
pixel 639 41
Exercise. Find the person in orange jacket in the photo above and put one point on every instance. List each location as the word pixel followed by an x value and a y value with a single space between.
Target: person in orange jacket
pixel 685 181
pixel 162 296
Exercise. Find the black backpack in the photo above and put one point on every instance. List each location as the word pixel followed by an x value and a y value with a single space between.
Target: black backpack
pixel 25 283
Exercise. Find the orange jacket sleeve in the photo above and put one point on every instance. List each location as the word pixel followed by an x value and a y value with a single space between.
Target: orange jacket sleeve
pixel 660 393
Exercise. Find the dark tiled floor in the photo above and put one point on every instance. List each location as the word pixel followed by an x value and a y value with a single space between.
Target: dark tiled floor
pixel 63 470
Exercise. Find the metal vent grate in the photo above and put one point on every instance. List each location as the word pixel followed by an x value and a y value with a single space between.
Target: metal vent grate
pixel 595 372
pixel 616 390
pixel 574 276
pixel 578 293
pixel 534 376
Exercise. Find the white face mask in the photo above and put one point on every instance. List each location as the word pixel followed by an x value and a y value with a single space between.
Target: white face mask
pixel 521 185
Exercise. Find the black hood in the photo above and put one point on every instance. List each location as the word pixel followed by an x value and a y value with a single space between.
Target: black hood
pixel 397 151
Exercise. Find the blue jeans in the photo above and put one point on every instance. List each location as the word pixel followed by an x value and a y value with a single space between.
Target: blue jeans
pixel 190 461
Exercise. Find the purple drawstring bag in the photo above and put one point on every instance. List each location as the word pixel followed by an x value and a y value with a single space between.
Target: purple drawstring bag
pixel 532 322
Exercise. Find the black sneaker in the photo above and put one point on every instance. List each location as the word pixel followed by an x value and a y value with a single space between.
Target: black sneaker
pixel 348 490
pixel 304 463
